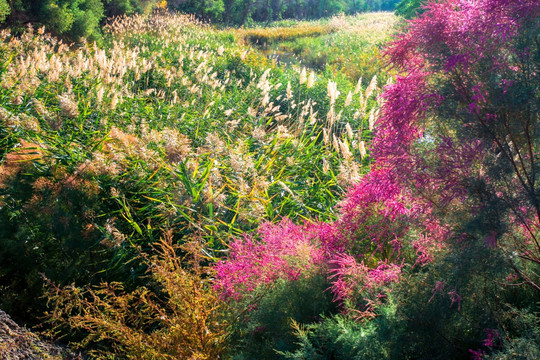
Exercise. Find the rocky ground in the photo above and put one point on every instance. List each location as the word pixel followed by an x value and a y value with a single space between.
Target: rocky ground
pixel 17 343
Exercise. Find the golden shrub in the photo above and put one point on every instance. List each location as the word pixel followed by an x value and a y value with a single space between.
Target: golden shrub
pixel 178 316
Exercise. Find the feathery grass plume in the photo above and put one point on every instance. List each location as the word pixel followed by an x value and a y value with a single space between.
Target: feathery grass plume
pixel 333 92
pixel 68 106
pixel 303 76
pixel 371 120
pixel 348 99
pixel 289 91
pixel 362 148
pixel 311 80
pixel 358 86
pixel 19 158
pixel 350 133
pixel 371 87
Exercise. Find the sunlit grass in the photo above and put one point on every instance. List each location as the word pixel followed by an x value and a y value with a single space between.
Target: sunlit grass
pixel 176 124
pixel 348 45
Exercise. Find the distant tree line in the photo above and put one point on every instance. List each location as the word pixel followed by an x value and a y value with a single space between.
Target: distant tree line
pixel 241 12
pixel 77 19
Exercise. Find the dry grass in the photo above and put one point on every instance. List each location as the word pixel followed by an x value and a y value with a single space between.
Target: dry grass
pixel 262 36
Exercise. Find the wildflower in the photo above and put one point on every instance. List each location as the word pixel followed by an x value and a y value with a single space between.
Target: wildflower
pixel 439 288
pixel 455 298
pixel 477 355
pixel 492 335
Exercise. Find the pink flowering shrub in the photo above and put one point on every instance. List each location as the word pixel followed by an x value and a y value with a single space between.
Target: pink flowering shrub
pixel 458 128
pixel 455 159
pixel 360 287
pixel 362 252
pixel 382 227
pixel 285 251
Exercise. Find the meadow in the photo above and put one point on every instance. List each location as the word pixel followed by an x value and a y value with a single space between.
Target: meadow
pixel 347 46
pixel 355 187
pixel 172 125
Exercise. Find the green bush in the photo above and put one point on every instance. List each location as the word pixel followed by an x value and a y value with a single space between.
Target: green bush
pixel 343 338
pixel 46 230
pixel 4 10
pixel 121 7
pixel 73 20
pixel 525 344
pixel 70 19
pixel 266 329
pixel 409 8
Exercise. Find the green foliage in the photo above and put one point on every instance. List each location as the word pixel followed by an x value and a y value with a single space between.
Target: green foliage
pixel 4 10
pixel 446 310
pixel 524 342
pixel 46 216
pixel 340 337
pixel 71 19
pixel 409 8
pixel 449 307
pixel 127 7
pixel 165 125
pixel 266 328
pixel 205 9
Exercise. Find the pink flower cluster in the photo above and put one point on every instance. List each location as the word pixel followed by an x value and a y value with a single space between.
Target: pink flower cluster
pixel 361 252
pixel 353 277
pixel 285 251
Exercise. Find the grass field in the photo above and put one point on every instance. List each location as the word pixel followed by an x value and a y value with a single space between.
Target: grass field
pixel 173 124
pixel 342 45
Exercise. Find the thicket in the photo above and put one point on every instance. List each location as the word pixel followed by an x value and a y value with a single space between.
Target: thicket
pixel 244 12
pixel 75 20
pixel 70 19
